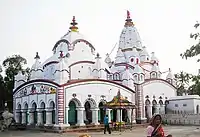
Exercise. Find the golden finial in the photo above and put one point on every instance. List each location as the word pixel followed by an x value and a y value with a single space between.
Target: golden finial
pixel 128 20
pixel 74 27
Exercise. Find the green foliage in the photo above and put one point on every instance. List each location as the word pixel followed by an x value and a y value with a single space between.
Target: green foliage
pixel 12 66
pixel 184 78
pixel 194 50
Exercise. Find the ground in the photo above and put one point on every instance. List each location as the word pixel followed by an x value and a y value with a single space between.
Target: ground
pixel 176 131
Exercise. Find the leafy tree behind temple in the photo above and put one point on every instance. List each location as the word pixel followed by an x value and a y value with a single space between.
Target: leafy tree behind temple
pixel 193 51
pixel 12 65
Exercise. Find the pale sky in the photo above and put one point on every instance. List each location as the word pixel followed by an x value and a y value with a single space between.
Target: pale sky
pixel 29 26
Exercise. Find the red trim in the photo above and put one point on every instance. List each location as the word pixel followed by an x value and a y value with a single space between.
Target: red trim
pixel 102 80
pixel 52 62
pixel 156 79
pixel 79 62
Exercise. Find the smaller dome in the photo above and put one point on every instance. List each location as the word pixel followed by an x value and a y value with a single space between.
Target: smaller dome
pixel 144 52
pixel 100 64
pixel 20 76
pixel 37 64
pixel 62 65
pixel 170 75
pixel 155 68
pixel 120 58
pixel 154 59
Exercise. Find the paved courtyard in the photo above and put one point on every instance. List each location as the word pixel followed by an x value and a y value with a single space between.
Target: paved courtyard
pixel 176 131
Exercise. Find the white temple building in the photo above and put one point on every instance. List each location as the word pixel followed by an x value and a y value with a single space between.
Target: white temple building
pixel 71 86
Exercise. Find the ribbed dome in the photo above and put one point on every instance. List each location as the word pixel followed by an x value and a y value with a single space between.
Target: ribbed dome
pixel 144 52
pixel 127 75
pixel 129 36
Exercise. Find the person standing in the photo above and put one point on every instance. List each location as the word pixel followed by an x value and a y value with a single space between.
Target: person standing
pixel 106 125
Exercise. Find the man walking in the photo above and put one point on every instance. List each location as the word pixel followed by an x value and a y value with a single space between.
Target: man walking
pixel 106 125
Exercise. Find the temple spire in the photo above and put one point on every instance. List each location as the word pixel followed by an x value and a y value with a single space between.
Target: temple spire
pixel 74 23
pixel 128 22
pixel 37 56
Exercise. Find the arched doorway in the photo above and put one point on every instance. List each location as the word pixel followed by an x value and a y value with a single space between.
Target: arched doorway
pixel 42 107
pixel 154 102
pixel 114 115
pixel 88 113
pixel 72 113
pixel 197 109
pixel 147 105
pixel 102 112
pixel 19 111
pixel 26 112
pixel 52 107
pixel 124 115
pixel 34 108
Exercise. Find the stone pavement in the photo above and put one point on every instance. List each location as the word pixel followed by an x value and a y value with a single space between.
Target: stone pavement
pixel 176 131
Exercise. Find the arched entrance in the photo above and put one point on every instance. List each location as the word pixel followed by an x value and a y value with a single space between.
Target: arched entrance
pixel 88 113
pixel 72 113
pixel 42 107
pixel 197 109
pixel 102 112
pixel 154 103
pixel 19 111
pixel 34 108
pixel 26 112
pixel 124 115
pixel 52 107
pixel 147 107
pixel 114 115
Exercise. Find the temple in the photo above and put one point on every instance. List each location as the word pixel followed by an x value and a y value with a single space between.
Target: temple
pixel 72 86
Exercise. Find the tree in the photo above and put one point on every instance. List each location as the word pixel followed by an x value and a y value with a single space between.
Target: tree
pixel 194 50
pixel 12 65
pixel 183 80
pixel 2 90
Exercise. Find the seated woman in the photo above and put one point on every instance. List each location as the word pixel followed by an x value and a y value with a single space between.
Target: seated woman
pixel 155 128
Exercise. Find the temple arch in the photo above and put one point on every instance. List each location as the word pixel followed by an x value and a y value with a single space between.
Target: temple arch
pixel 154 103
pixel 74 103
pixel 34 110
pixel 43 112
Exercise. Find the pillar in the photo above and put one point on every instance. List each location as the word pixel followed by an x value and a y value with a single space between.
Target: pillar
pixel 162 109
pixel 24 115
pixel 80 121
pixel 66 116
pixel 119 116
pixel 95 116
pixel 109 115
pixel 31 118
pixel 48 117
pixel 157 107
pixel 39 117
pixel 17 115
pixel 149 111
pixel 60 106
pixel 134 116
pixel 129 113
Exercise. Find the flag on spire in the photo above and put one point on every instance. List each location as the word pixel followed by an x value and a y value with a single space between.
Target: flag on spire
pixel 128 15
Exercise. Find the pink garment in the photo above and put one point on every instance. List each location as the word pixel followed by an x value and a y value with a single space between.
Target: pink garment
pixel 149 130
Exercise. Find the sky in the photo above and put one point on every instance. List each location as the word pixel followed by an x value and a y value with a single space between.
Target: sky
pixel 30 26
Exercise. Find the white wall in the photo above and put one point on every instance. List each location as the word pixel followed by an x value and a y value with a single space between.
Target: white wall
pixel 95 89
pixel 158 88
pixel 81 71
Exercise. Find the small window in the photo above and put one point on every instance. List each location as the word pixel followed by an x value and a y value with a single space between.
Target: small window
pixel 176 105
pixel 184 105
pixel 79 71
pixel 81 66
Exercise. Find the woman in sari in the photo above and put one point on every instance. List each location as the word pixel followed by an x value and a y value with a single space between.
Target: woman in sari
pixel 155 128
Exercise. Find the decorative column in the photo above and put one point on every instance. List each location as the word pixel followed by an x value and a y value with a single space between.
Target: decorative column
pixel 80 121
pixel 95 116
pixel 141 113
pixel 119 117
pixel 149 111
pixel 66 116
pixel 157 107
pixel 39 117
pixel 134 116
pixel 48 117
pixel 24 115
pixel 60 106
pixel 109 115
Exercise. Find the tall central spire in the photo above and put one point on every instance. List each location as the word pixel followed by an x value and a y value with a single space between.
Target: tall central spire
pixel 74 23
pixel 128 22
